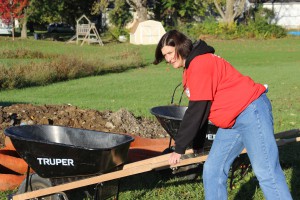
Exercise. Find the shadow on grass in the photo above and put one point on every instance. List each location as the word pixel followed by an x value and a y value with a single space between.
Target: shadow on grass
pixel 247 190
pixel 148 181
pixel 290 161
pixel 9 103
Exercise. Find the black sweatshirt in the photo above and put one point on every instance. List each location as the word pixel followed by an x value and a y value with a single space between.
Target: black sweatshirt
pixel 193 127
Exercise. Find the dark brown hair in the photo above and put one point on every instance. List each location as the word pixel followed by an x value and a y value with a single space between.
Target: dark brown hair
pixel 183 45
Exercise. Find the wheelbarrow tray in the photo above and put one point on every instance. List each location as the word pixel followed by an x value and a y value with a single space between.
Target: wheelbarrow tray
pixel 57 151
pixel 170 118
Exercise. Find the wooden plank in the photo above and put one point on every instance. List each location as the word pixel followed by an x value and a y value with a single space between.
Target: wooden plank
pixel 128 170
pixel 152 160
pixel 139 167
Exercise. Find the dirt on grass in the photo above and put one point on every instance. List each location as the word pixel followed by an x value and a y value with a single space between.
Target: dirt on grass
pixel 121 121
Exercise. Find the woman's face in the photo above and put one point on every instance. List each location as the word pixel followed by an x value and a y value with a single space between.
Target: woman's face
pixel 170 56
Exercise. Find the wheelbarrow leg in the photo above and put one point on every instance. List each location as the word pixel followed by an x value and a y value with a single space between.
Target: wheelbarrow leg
pixel 170 142
pixel 27 179
pixel 118 189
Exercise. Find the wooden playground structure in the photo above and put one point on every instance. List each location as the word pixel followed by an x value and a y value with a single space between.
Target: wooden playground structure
pixel 86 32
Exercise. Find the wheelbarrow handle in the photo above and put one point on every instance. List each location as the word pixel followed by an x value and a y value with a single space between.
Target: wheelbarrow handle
pixel 191 159
pixel 282 142
pixel 172 99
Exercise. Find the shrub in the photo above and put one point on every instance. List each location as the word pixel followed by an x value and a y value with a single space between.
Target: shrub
pixel 260 27
pixel 59 67
pixel 23 53
pixel 115 32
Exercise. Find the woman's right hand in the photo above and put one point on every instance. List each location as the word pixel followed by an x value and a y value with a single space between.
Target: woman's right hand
pixel 174 158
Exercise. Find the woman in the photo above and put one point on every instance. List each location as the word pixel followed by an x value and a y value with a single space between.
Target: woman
pixel 234 103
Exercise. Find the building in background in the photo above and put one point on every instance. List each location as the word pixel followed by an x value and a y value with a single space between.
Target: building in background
pixel 147 32
pixel 287 12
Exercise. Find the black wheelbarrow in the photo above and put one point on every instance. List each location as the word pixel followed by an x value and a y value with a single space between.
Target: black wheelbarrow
pixel 60 155
pixel 170 118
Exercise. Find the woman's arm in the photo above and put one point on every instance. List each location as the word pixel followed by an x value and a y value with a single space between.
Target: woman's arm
pixel 194 119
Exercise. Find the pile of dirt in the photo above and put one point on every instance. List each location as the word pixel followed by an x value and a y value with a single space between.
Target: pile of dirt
pixel 121 121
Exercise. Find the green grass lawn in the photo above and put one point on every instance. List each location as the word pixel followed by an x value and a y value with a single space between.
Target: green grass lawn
pixel 275 62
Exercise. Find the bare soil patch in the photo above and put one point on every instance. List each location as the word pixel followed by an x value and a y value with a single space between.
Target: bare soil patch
pixel 121 121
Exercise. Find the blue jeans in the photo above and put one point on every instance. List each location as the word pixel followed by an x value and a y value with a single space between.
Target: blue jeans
pixel 252 130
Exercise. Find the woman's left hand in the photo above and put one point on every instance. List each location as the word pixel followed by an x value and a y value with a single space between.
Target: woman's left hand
pixel 174 158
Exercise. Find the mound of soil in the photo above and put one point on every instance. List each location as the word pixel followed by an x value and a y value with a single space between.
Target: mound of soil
pixel 121 121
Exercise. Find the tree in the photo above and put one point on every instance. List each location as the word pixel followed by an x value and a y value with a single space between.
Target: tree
pixel 68 11
pixel 230 10
pixel 73 9
pixel 99 9
pixel 140 6
pixel 120 15
pixel 40 11
pixel 186 11
pixel 172 11
pixel 44 11
pixel 11 10
pixel 191 9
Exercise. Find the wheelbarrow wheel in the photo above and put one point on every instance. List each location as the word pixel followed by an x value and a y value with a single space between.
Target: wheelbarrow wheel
pixel 35 183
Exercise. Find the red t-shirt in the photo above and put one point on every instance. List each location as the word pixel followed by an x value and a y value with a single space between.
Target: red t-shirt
pixel 210 77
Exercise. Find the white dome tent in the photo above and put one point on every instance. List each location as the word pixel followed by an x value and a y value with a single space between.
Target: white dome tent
pixel 147 32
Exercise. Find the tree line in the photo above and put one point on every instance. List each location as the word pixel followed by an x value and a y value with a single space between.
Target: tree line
pixel 170 12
